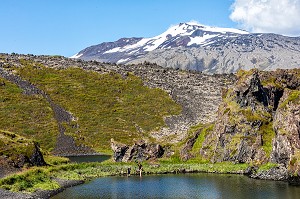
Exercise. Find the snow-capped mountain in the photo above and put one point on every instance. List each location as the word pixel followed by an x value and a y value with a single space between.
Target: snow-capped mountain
pixel 197 47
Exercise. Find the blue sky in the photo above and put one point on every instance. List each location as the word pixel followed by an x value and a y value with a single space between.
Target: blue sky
pixel 64 27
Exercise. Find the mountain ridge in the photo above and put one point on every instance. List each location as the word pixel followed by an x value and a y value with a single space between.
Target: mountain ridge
pixel 193 46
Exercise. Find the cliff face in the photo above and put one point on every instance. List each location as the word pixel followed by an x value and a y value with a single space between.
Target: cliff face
pixel 258 121
pixel 286 143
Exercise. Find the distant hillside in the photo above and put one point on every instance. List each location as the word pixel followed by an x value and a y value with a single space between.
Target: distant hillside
pixel 76 107
pixel 192 46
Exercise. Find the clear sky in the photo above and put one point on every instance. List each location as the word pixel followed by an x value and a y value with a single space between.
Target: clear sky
pixel 64 27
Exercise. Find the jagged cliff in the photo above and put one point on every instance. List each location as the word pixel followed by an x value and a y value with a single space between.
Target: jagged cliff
pixel 258 122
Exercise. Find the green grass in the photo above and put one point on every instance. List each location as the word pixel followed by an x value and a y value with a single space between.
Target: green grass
pixel 29 181
pixel 13 145
pixel 266 167
pixel 198 144
pixel 41 178
pixel 29 116
pixel 56 160
pixel 106 105
pixel 268 134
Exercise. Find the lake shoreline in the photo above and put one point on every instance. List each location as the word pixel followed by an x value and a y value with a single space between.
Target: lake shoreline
pixel 120 170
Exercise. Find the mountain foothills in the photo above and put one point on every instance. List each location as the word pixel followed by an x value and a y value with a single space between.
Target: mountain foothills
pixel 193 46
pixel 144 111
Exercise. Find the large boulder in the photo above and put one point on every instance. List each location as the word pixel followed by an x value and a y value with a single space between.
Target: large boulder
pixel 119 150
pixel 139 151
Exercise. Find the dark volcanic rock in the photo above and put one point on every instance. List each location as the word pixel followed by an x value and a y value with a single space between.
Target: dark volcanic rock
pixel 286 144
pixel 253 92
pixel 185 151
pixel 249 112
pixel 139 151
pixel 37 159
pixel 30 155
pixel 276 173
pixel 294 180
pixel 119 150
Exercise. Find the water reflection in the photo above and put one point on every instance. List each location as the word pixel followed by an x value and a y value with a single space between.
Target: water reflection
pixel 182 186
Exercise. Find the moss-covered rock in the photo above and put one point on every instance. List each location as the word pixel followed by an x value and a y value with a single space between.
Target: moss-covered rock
pixel 258 120
pixel 17 152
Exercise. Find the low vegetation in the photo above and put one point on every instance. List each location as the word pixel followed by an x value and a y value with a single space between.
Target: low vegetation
pixel 29 116
pixel 105 105
pixel 29 181
pixel 42 178
pixel 13 145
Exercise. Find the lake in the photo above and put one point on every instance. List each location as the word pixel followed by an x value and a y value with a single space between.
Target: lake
pixel 88 158
pixel 200 185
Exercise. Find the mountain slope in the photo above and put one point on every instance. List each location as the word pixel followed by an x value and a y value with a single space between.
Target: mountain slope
pixel 93 102
pixel 193 46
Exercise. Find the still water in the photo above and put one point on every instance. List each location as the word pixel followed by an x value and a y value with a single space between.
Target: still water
pixel 182 186
pixel 89 158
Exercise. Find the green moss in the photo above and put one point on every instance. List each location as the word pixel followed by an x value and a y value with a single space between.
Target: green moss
pixel 55 160
pixel 106 105
pixel 258 115
pixel 267 132
pixel 272 81
pixel 294 96
pixel 266 167
pixel 199 142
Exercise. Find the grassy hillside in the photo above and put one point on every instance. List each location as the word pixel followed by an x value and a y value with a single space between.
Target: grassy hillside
pixel 29 116
pixel 105 105
pixel 12 144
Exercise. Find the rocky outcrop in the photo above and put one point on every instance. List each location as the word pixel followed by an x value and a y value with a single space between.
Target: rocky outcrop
pixel 139 151
pixel 238 135
pixel 286 144
pixel 258 122
pixel 276 173
pixel 185 151
pixel 17 152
